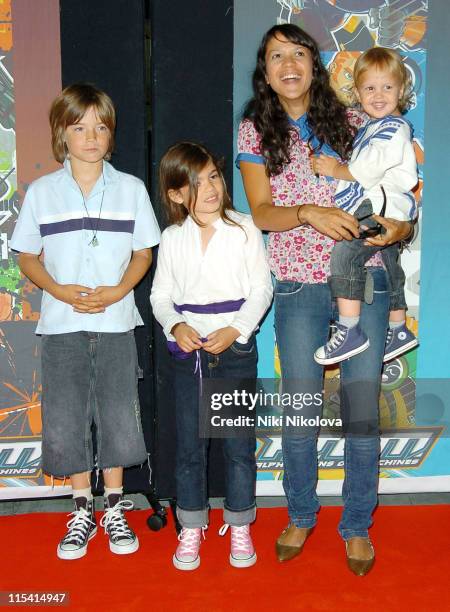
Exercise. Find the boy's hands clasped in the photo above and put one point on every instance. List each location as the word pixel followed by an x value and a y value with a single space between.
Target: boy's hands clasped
pixel 69 294
pixel 87 300
pixel 188 339
pixel 98 299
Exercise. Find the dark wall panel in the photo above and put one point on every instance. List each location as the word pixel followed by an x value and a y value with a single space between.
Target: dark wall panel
pixel 192 77
pixel 192 94
pixel 102 42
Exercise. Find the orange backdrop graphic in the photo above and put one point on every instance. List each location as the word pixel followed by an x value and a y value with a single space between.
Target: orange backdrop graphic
pixel 30 77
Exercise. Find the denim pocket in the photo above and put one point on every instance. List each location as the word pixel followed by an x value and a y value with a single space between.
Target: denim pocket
pixel 379 279
pixel 287 287
pixel 244 349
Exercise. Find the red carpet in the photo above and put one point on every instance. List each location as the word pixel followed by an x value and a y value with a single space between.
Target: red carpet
pixel 412 571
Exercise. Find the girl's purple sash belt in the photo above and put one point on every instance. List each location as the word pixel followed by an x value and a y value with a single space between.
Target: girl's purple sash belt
pixel 213 308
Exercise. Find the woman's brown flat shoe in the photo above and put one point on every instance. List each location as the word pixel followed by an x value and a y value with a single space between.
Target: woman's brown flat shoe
pixel 360 555
pixel 291 542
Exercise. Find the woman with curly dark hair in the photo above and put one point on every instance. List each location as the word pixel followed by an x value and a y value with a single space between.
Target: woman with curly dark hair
pixel 294 114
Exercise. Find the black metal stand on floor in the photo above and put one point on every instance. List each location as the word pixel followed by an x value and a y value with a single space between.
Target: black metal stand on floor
pixel 158 519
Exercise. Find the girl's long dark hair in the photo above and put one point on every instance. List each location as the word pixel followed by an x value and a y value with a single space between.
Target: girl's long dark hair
pixel 180 167
pixel 327 116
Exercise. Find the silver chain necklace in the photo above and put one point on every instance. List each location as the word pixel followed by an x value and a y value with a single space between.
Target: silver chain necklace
pixel 94 242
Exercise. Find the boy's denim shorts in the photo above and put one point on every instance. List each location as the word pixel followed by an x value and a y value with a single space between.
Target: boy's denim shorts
pixel 90 378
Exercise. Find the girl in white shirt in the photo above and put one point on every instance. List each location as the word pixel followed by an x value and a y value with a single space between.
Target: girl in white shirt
pixel 212 287
pixel 378 179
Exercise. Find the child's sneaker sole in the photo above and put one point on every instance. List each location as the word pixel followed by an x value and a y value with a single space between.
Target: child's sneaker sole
pixel 186 565
pixel 69 555
pixel 331 360
pixel 127 549
pixel 243 562
pixel 402 349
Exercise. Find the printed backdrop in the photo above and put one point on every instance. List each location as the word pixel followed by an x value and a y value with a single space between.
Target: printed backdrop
pixel 30 76
pixel 411 455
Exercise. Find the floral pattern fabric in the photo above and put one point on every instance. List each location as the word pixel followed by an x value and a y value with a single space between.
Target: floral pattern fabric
pixel 301 254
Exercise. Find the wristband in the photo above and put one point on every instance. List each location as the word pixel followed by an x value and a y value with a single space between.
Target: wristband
pixel 412 225
pixel 298 218
pixel 409 238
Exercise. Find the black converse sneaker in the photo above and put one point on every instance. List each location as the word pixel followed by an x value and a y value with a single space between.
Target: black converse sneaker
pixel 122 540
pixel 81 528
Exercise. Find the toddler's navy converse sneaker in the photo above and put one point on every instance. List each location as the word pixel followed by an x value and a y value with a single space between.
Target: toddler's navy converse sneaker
pixel 344 343
pixel 398 341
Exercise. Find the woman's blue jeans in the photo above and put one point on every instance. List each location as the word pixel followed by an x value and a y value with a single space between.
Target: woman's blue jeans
pixel 302 316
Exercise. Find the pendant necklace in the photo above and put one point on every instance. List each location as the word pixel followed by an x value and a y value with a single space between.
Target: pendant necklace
pixel 94 242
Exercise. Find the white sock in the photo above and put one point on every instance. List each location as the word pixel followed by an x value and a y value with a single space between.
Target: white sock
pixel 396 324
pixel 87 493
pixel 109 491
pixel 348 322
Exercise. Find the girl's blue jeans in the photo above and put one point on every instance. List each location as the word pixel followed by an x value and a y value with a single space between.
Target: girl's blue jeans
pixel 237 362
pixel 302 316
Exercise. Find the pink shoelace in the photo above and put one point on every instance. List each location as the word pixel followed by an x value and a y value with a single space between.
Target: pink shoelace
pixel 241 541
pixel 190 541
